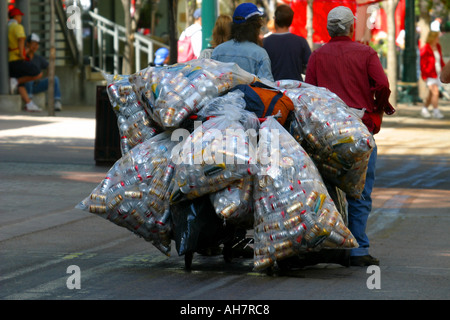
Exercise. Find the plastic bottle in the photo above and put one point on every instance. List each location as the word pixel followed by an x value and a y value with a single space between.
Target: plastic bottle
pixel 124 147
pixel 113 92
pixel 115 201
pixel 106 183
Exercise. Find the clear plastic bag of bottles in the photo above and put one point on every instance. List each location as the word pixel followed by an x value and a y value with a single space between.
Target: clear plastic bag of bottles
pixel 293 210
pixel 217 153
pixel 135 126
pixel 135 192
pixel 172 93
pixel 234 203
pixel 334 135
pixel 231 105
pixel 219 105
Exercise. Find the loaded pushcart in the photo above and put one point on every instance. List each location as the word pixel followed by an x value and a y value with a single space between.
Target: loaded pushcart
pixel 203 161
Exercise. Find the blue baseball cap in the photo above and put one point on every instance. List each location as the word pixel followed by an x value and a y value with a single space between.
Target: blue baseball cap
pixel 197 13
pixel 244 11
pixel 161 55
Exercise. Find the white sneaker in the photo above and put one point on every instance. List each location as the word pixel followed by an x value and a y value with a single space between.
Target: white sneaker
pixel 437 114
pixel 13 83
pixel 32 107
pixel 58 106
pixel 425 113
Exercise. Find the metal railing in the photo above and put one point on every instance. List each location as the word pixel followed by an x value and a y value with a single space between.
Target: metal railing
pixel 105 28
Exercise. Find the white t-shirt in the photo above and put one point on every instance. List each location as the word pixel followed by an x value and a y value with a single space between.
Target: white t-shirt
pixel 195 32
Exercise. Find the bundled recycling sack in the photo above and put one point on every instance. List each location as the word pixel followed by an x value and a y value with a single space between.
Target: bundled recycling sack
pixel 293 211
pixel 171 93
pixel 234 203
pixel 135 126
pixel 217 153
pixel 135 192
pixel 333 134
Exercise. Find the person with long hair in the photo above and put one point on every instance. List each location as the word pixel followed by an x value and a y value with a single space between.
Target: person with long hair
pixel 245 46
pixel 220 33
pixel 431 65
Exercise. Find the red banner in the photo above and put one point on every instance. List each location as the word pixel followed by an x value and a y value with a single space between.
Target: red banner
pixel 320 13
pixel 359 8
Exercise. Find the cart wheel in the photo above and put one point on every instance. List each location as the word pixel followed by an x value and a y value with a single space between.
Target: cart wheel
pixel 270 271
pixel 227 253
pixel 283 265
pixel 188 256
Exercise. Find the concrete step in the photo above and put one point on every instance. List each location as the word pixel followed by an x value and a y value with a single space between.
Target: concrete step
pixel 10 103
pixel 41 100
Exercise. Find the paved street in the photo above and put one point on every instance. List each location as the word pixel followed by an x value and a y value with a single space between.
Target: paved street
pixel 47 166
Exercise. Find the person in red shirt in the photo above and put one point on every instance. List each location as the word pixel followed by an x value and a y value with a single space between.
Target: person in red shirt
pixel 354 72
pixel 431 64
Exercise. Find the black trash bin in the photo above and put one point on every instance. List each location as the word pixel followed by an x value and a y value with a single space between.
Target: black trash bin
pixel 107 138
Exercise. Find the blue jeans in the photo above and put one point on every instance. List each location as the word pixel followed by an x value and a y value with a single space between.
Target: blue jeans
pixel 359 209
pixel 35 87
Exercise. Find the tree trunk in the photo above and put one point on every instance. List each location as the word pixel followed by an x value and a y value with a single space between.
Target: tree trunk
pixel 191 6
pixel 309 23
pixel 173 36
pixel 51 63
pixel 424 21
pixel 129 62
pixel 128 54
pixel 270 6
pixel 424 27
pixel 392 52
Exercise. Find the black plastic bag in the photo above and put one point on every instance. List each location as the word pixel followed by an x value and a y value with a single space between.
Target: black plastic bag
pixel 196 226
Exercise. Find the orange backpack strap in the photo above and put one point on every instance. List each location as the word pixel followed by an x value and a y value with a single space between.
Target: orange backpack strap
pixel 265 101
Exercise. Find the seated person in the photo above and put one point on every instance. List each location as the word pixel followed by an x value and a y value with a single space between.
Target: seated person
pixel 20 70
pixel 38 86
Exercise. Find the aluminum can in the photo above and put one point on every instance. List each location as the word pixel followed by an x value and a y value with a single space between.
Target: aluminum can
pixel 98 197
pixel 113 91
pixel 292 222
pixel 133 194
pixel 229 210
pixel 312 198
pixel 95 208
pixel 168 116
pixel 115 201
pixel 263 263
